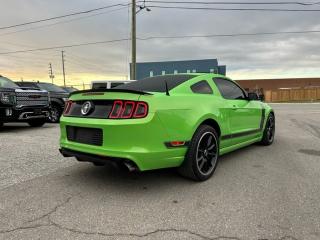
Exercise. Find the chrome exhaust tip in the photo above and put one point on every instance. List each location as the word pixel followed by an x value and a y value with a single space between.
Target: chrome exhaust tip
pixel 130 166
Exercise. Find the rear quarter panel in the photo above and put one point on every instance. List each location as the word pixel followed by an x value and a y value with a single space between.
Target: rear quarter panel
pixel 183 111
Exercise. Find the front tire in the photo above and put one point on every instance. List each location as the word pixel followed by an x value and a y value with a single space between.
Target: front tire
pixel 55 114
pixel 269 131
pixel 202 156
pixel 37 123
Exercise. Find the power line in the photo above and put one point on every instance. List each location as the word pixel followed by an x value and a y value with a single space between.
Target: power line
pixel 66 46
pixel 234 3
pixel 61 22
pixel 234 9
pixel 86 63
pixel 63 16
pixel 163 37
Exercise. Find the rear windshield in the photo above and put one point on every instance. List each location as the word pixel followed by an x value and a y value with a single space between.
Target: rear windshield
pixel 156 84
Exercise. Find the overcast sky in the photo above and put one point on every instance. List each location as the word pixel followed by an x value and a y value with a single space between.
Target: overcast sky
pixel 246 57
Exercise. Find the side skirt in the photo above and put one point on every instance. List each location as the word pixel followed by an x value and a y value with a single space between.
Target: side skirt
pixel 239 145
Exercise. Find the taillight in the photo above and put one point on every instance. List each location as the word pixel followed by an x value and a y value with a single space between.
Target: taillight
pixel 67 107
pixel 141 110
pixel 128 109
pixel 116 109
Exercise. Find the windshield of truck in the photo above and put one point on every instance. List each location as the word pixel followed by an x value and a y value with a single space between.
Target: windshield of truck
pixel 7 83
pixel 51 87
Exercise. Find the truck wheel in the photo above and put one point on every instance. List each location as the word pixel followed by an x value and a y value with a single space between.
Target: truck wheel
pixel 55 113
pixel 37 123
pixel 201 159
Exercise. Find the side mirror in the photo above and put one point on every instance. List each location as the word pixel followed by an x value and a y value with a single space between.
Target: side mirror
pixel 252 96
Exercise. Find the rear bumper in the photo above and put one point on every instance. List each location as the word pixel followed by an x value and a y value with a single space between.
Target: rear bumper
pixel 86 157
pixel 141 141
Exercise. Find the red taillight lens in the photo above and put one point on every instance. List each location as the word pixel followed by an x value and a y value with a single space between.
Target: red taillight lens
pixel 116 109
pixel 141 110
pixel 128 109
pixel 67 107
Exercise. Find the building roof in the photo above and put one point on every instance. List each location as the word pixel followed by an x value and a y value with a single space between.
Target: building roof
pixel 183 61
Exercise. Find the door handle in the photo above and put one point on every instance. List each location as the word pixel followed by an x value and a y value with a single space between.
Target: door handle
pixel 234 107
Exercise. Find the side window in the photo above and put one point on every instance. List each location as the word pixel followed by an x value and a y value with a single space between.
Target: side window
pixel 228 89
pixel 202 87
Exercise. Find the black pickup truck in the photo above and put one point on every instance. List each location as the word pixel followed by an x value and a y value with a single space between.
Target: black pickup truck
pixel 22 104
pixel 58 97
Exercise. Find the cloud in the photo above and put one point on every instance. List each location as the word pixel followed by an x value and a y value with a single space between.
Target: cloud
pixel 245 57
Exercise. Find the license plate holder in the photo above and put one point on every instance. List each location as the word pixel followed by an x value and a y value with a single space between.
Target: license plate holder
pixel 37 112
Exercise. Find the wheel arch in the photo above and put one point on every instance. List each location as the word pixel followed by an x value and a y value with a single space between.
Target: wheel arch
pixel 57 103
pixel 210 121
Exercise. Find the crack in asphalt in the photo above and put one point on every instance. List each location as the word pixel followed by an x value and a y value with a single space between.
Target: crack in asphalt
pixel 38 218
pixel 50 222
pixel 53 210
pixel 23 228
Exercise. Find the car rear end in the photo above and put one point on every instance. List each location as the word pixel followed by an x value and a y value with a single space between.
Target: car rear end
pixel 99 126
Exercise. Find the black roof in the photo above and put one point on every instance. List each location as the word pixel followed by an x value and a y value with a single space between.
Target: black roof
pixel 158 83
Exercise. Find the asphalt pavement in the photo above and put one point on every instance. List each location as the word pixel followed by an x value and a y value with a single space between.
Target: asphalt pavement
pixel 270 193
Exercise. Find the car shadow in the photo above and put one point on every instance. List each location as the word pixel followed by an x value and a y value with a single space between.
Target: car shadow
pixel 109 176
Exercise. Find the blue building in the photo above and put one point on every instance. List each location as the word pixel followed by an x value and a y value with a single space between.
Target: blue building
pixel 150 69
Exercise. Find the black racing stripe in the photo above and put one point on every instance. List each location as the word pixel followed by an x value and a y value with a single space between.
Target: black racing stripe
pixel 262 118
pixel 242 134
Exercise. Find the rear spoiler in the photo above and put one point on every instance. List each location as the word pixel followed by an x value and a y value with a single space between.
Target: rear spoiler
pixel 110 90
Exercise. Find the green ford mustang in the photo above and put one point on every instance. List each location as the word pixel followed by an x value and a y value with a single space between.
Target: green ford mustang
pixel 185 121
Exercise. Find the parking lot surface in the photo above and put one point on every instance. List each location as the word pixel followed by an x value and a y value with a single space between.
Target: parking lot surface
pixel 256 193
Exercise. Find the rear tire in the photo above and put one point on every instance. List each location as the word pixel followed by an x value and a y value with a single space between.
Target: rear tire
pixel 37 123
pixel 202 156
pixel 269 131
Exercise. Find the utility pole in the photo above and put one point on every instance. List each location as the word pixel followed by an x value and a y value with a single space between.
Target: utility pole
pixel 51 72
pixel 63 71
pixel 133 41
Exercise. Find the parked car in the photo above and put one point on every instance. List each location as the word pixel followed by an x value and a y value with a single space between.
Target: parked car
pixel 107 84
pixel 185 121
pixel 22 104
pixel 70 89
pixel 58 97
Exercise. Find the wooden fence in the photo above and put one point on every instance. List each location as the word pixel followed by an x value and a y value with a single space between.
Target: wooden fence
pixel 293 95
